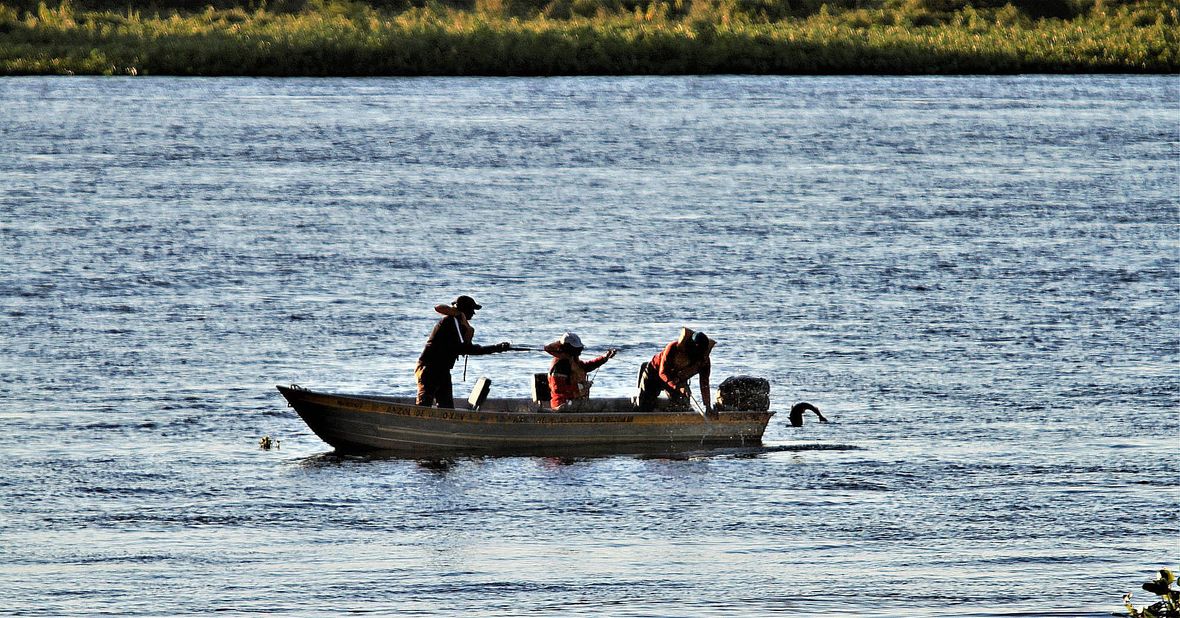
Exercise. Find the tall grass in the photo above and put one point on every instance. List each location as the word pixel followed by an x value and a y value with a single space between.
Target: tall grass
pixel 567 37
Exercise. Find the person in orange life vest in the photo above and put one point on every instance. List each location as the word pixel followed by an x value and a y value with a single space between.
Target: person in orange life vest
pixel 567 374
pixel 671 369
pixel 450 338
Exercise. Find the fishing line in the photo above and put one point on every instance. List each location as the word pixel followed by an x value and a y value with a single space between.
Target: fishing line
pixel 700 409
pixel 596 370
pixel 599 368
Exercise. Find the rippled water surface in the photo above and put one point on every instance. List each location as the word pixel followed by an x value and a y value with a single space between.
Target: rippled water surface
pixel 977 280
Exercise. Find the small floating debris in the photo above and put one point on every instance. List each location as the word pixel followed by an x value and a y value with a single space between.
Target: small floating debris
pixel 266 443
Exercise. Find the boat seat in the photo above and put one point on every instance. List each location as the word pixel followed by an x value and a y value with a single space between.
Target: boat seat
pixel 541 392
pixel 479 393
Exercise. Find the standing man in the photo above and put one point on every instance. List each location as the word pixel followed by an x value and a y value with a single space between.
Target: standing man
pixel 451 337
pixel 670 370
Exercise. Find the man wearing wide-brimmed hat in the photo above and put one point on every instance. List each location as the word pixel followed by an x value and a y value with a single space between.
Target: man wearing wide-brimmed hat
pixel 567 374
pixel 451 337
pixel 670 370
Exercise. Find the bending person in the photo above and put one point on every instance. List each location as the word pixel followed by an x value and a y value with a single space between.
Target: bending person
pixel 451 337
pixel 567 374
pixel 670 370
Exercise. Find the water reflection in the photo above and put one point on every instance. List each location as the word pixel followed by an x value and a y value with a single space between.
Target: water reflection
pixel 438 466
pixel 443 463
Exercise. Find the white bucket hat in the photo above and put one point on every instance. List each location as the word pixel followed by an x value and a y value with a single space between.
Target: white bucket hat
pixel 571 340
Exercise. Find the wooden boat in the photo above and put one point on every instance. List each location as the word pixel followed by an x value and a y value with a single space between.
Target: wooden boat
pixel 359 423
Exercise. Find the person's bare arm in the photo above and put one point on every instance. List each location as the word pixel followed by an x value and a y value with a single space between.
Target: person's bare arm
pixel 705 394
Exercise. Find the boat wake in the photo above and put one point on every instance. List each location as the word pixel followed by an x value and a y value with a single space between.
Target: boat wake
pixel 752 452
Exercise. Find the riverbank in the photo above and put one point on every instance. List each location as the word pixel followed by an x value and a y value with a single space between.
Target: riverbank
pixel 349 39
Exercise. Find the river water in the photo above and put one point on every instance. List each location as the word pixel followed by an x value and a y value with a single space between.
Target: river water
pixel 976 279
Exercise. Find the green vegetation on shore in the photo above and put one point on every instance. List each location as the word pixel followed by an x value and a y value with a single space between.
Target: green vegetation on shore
pixel 579 37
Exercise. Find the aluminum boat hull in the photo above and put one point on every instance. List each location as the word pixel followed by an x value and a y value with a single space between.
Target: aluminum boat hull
pixel 358 423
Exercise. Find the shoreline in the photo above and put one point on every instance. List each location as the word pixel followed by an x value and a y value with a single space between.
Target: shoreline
pixel 450 42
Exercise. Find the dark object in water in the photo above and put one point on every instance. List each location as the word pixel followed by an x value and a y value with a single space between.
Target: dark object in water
pixel 744 393
pixel 797 413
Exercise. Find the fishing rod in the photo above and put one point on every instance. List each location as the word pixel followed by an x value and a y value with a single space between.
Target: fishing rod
pixel 700 409
pixel 511 348
pixel 609 356
pixel 515 348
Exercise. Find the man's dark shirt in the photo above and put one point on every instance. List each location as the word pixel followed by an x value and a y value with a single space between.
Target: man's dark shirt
pixel 446 344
